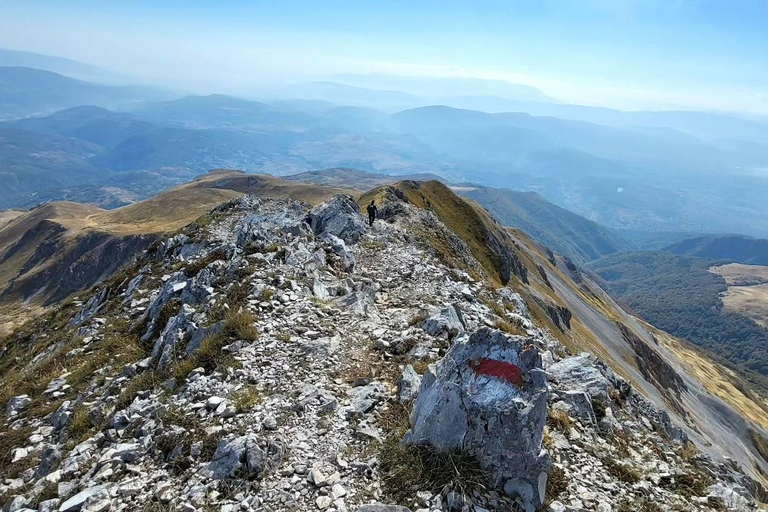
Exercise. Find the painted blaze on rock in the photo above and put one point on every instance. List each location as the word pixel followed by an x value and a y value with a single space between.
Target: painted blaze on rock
pixel 500 369
pixel 488 397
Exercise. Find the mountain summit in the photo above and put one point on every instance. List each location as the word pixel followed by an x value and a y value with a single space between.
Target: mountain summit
pixel 273 355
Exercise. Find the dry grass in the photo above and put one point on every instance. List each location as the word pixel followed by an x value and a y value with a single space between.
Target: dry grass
pixel 79 426
pixel 622 472
pixel 688 451
pixel 559 420
pixel 638 505
pixel 194 268
pixel 557 483
pixel 510 327
pixel 11 439
pixel 210 354
pixel 247 398
pixel 690 484
pixel 418 318
pixel 148 380
pixel 406 469
pixel 240 325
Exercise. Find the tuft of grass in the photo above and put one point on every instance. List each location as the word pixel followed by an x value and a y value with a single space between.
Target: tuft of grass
pixel 559 420
pixel 266 294
pixel 497 308
pixel 638 505
pixel 247 398
pixel 144 381
pixel 621 440
pixel 406 469
pixel 418 318
pixel 557 484
pixel 10 439
pixel 689 484
pixel 622 472
pixel 599 408
pixel 79 425
pixel 49 491
pixel 510 327
pixel 193 268
pixel 688 451
pixel 240 325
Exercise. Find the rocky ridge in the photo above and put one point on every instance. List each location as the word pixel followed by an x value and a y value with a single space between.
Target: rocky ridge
pixel 268 359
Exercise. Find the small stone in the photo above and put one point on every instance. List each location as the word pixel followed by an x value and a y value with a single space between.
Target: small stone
pixel 338 491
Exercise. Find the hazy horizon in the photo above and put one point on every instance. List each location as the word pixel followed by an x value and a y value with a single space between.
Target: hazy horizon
pixel 624 54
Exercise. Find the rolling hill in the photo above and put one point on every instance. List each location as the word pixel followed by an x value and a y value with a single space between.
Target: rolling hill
pixel 736 248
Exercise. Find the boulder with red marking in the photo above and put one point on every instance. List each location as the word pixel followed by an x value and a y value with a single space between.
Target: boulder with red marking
pixel 488 397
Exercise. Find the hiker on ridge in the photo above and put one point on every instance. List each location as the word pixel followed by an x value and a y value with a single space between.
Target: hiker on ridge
pixel 372 211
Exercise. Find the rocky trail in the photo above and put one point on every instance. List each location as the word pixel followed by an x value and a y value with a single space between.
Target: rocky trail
pixel 266 359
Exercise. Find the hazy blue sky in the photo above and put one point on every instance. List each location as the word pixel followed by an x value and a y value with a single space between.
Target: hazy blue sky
pixel 624 53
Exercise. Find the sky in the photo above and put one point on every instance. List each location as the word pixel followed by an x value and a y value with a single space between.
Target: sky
pixel 627 54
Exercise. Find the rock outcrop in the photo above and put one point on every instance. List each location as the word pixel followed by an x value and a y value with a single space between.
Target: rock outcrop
pixel 488 397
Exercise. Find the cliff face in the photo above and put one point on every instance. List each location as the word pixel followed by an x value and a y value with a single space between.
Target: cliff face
pixel 274 356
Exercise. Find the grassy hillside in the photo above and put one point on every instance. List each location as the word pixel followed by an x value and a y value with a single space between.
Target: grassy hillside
pixel 562 231
pixel 679 295
pixel 737 248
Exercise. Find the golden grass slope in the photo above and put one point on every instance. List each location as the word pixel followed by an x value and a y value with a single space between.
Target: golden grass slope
pixel 8 215
pixel 747 292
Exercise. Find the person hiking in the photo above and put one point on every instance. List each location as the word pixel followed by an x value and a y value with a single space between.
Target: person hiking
pixel 372 211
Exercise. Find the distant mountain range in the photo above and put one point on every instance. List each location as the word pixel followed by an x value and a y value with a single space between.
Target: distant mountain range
pixel 653 172
pixel 27 91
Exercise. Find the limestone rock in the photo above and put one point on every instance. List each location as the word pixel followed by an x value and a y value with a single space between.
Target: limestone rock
pixel 339 217
pixel 408 385
pixel 488 396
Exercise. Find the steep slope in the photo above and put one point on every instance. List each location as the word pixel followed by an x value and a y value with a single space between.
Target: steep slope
pixel 736 248
pixel 681 296
pixel 257 359
pixel 487 240
pixel 562 231
pixel 584 317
